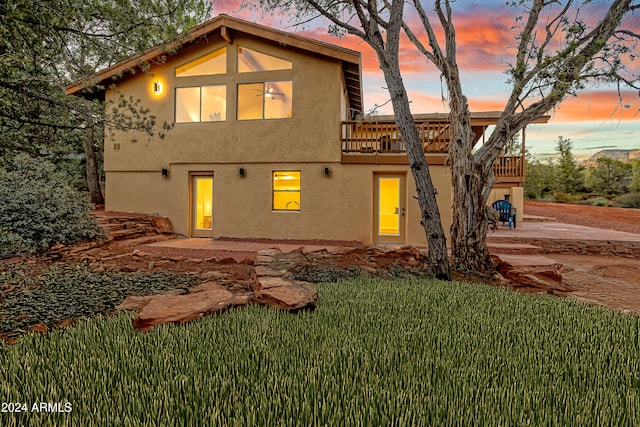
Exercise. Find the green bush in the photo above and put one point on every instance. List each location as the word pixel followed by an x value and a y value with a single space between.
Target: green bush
pixel 39 209
pixel 599 201
pixel 562 197
pixel 630 200
pixel 73 292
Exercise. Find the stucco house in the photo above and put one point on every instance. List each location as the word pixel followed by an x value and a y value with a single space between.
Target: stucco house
pixel 269 141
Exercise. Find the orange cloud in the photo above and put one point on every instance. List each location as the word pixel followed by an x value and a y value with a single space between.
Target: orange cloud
pixel 600 106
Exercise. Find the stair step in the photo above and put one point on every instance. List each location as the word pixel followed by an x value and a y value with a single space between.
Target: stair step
pixel 536 218
pixel 513 248
pixel 527 260
pixel 126 233
pixel 150 239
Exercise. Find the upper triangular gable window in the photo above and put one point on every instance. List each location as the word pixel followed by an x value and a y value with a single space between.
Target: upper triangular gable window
pixel 251 60
pixel 212 63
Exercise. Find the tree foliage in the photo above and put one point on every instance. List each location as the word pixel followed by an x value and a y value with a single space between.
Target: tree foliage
pixel 46 45
pixel 634 185
pixel 565 180
pixel 541 177
pixel 568 176
pixel 609 176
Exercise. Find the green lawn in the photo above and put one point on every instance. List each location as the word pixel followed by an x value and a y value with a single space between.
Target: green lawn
pixel 375 352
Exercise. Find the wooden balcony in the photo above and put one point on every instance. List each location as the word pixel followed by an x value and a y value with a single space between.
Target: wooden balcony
pixel 383 137
pixel 379 142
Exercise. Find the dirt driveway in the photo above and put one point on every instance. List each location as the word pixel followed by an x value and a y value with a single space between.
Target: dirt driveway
pixel 601 280
pixel 590 216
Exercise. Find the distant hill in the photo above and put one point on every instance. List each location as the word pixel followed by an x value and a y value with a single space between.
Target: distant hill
pixel 622 155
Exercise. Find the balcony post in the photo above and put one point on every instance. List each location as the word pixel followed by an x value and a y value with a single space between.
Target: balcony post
pixel 523 163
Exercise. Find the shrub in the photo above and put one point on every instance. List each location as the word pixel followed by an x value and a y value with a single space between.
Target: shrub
pixel 39 209
pixel 326 273
pixel 72 292
pixel 630 200
pixel 600 201
pixel 561 197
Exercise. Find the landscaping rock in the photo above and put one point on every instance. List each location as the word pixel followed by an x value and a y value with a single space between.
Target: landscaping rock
pixel 533 272
pixel 286 295
pixel 208 298
pixel 162 225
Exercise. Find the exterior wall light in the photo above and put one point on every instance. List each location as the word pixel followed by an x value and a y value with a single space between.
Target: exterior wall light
pixel 326 171
pixel 165 172
pixel 157 87
pixel 241 171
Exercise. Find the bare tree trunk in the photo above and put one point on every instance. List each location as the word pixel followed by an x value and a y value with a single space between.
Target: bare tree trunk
pixel 438 256
pixel 468 180
pixel 91 167
pixel 469 220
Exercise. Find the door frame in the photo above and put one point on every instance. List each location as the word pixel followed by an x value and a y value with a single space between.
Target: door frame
pixel 402 208
pixel 193 232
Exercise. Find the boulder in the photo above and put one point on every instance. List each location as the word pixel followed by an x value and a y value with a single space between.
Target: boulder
pixel 162 225
pixel 534 272
pixel 204 299
pixel 288 295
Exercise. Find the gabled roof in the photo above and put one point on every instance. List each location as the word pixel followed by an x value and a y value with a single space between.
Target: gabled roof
pixel 225 26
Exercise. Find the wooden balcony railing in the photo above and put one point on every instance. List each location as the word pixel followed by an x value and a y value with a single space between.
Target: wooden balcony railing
pixel 508 166
pixel 384 137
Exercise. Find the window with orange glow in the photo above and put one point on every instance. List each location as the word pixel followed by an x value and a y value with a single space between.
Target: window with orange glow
pixel 210 64
pixel 286 190
pixel 201 104
pixel 265 100
pixel 250 60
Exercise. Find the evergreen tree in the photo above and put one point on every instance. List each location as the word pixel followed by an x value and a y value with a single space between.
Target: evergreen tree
pixel 610 176
pixel 634 185
pixel 541 178
pixel 568 173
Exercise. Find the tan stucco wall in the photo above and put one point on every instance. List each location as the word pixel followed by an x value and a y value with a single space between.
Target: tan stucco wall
pixel 311 134
pixel 339 206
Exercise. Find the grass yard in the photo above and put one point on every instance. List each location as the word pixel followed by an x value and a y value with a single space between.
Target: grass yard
pixel 375 352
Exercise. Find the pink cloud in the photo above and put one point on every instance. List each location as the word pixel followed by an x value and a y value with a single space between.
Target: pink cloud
pixel 600 106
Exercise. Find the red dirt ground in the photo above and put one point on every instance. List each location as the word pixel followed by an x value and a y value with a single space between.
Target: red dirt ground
pixel 590 216
pixel 601 280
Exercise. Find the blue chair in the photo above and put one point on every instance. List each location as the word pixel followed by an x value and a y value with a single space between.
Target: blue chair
pixel 507 212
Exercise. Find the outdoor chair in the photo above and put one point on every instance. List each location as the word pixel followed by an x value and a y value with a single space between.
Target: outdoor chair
pixel 507 212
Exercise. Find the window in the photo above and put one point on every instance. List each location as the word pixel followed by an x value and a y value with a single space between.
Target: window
pixel 201 104
pixel 250 60
pixel 212 63
pixel 268 100
pixel 286 191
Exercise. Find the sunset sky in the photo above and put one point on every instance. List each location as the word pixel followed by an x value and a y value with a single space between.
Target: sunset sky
pixel 594 120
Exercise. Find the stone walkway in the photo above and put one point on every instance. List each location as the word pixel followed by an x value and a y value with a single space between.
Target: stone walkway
pixel 599 266
pixel 561 238
pixel 529 231
pixel 559 230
